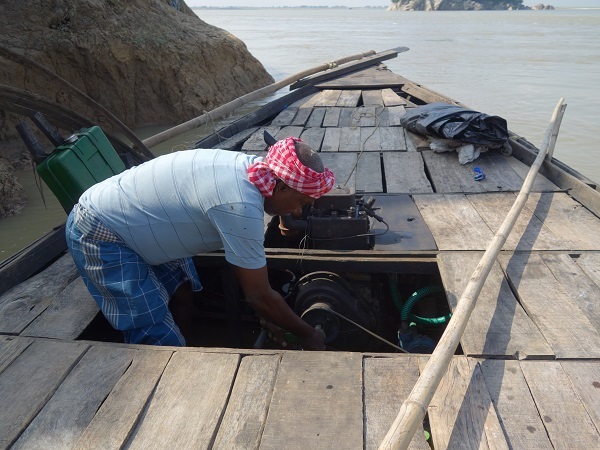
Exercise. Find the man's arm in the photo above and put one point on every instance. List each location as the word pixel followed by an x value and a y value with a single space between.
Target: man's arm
pixel 271 305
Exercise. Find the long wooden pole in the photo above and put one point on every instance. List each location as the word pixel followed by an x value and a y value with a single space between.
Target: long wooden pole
pixel 228 108
pixel 415 406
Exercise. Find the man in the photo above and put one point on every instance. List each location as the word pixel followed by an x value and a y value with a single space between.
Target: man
pixel 132 236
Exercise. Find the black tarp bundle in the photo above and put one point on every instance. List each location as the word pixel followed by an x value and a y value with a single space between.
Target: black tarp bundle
pixel 446 121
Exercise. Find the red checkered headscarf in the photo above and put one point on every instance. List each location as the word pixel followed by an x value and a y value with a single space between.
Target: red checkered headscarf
pixel 282 163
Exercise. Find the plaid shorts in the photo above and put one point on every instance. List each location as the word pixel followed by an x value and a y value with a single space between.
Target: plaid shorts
pixel 132 294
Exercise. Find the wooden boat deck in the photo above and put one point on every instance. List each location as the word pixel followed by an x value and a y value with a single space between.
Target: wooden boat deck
pixel 529 375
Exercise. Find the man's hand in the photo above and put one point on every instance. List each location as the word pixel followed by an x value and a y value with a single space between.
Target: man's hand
pixel 315 341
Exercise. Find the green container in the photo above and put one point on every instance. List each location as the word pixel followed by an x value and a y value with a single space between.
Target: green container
pixel 85 159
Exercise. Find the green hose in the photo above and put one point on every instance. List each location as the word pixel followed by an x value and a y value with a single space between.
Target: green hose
pixel 405 313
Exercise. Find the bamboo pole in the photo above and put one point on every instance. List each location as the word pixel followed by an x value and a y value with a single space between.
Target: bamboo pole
pixel 228 108
pixel 413 409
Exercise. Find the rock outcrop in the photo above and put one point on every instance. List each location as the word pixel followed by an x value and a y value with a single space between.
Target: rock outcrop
pixel 460 5
pixel 149 62
pixel 12 195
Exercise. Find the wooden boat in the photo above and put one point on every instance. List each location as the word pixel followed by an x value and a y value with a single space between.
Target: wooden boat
pixel 526 373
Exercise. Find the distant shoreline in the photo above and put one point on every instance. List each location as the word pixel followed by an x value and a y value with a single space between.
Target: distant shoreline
pixel 203 8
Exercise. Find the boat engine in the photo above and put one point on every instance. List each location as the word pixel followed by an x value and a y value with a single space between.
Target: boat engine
pixel 339 220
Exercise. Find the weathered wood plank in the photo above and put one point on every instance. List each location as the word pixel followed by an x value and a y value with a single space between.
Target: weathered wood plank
pixel 315 396
pixel 236 140
pixel 390 98
pixel 454 222
pixel 301 117
pixel 306 102
pixel 350 139
pixel 29 382
pixel 349 98
pixel 514 404
pixel 316 118
pixel 332 117
pixel 247 409
pixel 585 378
pixel 576 282
pixel 347 118
pixel 567 422
pixel 285 117
pixel 369 78
pixel 256 142
pixel 411 232
pixel 498 325
pixel 188 403
pixel 421 143
pixel 328 97
pixel 392 138
pixel 331 140
pixel 395 113
pixel 343 165
pixel 370 139
pixel 425 94
pixel 388 382
pixel 68 315
pixel 540 184
pixel 366 116
pixel 461 413
pixel 372 98
pixel 368 177
pixel 286 132
pixel 125 404
pixel 405 173
pixel 590 263
pixel 544 299
pixel 23 303
pixel 10 348
pixel 410 144
pixel 528 233
pixel 567 218
pixel 313 137
pixel 66 415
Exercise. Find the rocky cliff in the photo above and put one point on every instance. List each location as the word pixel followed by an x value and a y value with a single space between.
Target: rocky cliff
pixel 149 62
pixel 461 5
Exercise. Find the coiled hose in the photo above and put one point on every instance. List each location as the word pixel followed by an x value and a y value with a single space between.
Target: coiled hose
pixel 405 310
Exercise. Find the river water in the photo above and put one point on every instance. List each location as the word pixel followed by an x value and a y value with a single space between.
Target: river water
pixel 515 64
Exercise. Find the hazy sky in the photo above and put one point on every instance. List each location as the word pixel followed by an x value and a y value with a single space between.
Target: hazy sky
pixel 356 3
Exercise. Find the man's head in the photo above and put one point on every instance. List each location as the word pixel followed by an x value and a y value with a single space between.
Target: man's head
pixel 291 176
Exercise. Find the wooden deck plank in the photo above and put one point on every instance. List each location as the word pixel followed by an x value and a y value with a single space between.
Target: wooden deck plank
pixel 123 407
pixel 316 118
pixel 349 139
pixel 514 404
pixel 366 116
pixel 390 98
pixel 370 139
pixel 343 165
pixel 540 184
pixel 349 98
pixel 306 102
pixel 498 325
pixel 405 173
pixel 567 218
pixel 315 397
pixel 369 78
pixel 328 97
pixel 237 140
pixel 301 117
pixel 413 234
pixel 368 173
pixel 392 138
pixel 347 118
pixel 313 137
pixel 395 113
pixel 286 132
pixel 585 378
pixel 590 264
pixel 189 400
pixel 66 415
pixel 29 382
pixel 247 409
pixel 256 142
pixel 454 222
pixel 528 233
pixel 372 97
pixel 566 420
pixel 10 348
pixel 331 140
pixel 421 143
pixel 576 282
pixel 67 316
pixel 332 117
pixel 285 117
pixel 461 413
pixel 22 304
pixel 544 299
pixel 387 383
